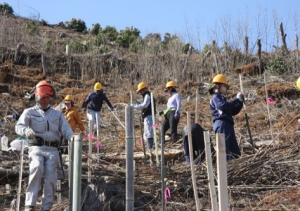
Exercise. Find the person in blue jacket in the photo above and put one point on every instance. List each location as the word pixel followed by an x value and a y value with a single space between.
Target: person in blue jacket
pixel 223 112
pixel 93 104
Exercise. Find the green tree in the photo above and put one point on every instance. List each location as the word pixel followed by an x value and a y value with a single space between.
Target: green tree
pixel 128 36
pixel 152 37
pixel 110 33
pixel 76 25
pixel 6 9
pixel 278 66
pixel 96 28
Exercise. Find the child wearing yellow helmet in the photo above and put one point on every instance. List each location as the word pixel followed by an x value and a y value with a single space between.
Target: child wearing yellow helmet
pixel 72 115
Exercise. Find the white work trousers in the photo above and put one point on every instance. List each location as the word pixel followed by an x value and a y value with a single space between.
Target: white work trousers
pixel 94 121
pixel 148 127
pixel 43 163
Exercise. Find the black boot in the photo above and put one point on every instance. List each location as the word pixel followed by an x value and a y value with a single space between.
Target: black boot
pixel 29 208
pixel 150 143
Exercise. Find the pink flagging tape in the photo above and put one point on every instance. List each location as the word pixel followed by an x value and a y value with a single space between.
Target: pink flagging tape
pixel 271 101
pixel 141 141
pixel 167 194
pixel 90 137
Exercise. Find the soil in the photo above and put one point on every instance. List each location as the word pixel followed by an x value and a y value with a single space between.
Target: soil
pixel 109 172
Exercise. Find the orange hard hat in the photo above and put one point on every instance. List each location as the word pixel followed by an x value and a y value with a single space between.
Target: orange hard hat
pixel 44 89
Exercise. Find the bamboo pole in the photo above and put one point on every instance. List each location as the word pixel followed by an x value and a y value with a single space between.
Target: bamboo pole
pixel 210 174
pixel 246 114
pixel 196 106
pixel 129 158
pixel 76 202
pixel 117 118
pixel 20 176
pixel 162 168
pixel 268 109
pixel 154 130
pixel 222 172
pixel 191 152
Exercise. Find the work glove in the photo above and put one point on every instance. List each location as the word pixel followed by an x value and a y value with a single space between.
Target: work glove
pixel 240 96
pixel 29 133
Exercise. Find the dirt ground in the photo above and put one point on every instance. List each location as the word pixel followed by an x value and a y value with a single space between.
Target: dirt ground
pixel 267 179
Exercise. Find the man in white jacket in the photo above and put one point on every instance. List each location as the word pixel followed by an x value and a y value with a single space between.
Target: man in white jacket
pixel 172 113
pixel 44 127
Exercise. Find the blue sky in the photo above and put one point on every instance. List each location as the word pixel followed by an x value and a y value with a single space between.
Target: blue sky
pixel 196 21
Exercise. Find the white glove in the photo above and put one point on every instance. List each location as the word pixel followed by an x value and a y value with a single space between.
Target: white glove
pixel 29 133
pixel 240 96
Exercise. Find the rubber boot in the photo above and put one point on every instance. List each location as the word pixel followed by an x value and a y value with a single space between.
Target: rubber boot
pixel 150 143
pixel 187 159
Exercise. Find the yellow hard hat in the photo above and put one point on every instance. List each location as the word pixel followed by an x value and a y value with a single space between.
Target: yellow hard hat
pixel 68 98
pixel 97 86
pixel 141 86
pixel 171 84
pixel 298 83
pixel 221 79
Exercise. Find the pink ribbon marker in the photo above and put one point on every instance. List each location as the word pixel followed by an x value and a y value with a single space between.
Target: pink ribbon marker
pixel 99 145
pixel 167 194
pixel 271 101
pixel 90 137
pixel 141 141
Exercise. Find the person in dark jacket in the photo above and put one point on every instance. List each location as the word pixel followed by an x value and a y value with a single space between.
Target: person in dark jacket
pixel 93 104
pixel 197 140
pixel 145 107
pixel 223 112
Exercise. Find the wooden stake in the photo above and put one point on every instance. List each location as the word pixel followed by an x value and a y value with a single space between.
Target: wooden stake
pixel 222 172
pixel 210 174
pixel 129 158
pixel 259 55
pixel 268 108
pixel 162 168
pixel 283 38
pixel 246 45
pixel 191 152
pixel 154 130
pixel 58 186
pixel 246 115
pixel 20 176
